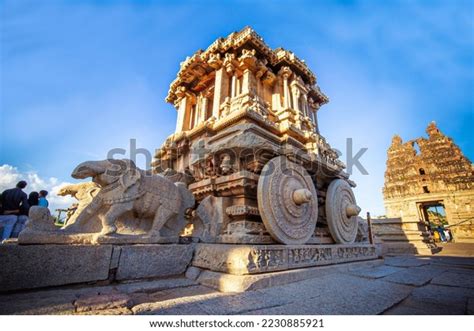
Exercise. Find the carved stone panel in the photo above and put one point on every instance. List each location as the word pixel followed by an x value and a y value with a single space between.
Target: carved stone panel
pixel 254 259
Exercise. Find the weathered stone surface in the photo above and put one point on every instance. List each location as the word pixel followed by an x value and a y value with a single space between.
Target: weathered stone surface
pixel 53 265
pixel 169 308
pixel 375 272
pixel 416 276
pixel 111 311
pixel 322 290
pixel 252 259
pixel 406 261
pixel 337 294
pixel 445 295
pixel 454 278
pixel 242 303
pixel 456 249
pixel 149 286
pixel 172 298
pixel 49 265
pixel 451 261
pixel 210 217
pixel 102 302
pixel 192 273
pixel 241 283
pixel 410 306
pixel 37 303
pixel 114 260
pixel 181 301
pixel 48 300
pixel 146 261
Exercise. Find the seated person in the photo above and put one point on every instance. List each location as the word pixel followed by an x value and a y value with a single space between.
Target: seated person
pixel 42 202
pixel 13 201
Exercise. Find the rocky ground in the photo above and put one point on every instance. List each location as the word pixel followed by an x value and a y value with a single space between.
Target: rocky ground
pixel 439 284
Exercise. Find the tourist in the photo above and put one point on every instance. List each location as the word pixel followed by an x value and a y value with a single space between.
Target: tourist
pixel 440 230
pixel 13 201
pixel 450 235
pixel 447 235
pixel 33 198
pixel 42 199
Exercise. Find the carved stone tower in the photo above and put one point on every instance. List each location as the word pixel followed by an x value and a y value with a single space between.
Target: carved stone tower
pixel 429 179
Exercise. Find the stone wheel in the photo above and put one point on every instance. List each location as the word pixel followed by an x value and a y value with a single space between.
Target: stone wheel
pixel 287 201
pixel 341 212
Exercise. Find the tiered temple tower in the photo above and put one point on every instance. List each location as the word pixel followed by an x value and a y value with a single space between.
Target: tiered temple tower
pixel 428 174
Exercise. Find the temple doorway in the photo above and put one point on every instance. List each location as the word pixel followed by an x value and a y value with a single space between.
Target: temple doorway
pixel 434 214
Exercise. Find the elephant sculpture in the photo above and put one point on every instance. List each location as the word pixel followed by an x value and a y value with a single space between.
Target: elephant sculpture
pixel 128 190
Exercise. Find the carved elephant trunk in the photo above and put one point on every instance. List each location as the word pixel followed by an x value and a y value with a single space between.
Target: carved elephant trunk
pixel 90 169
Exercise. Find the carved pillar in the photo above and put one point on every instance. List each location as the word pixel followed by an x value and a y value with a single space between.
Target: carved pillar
pixel 248 82
pixel 203 108
pixel 285 74
pixel 181 105
pixel 296 97
pixel 233 90
pixel 276 102
pixel 295 93
pixel 238 88
pixel 190 117
pixel 286 93
pixel 306 111
pixel 248 64
pixel 220 91
pixel 315 118
pixel 197 112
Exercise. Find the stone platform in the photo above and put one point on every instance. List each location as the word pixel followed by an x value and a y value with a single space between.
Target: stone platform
pixel 229 283
pixel 255 259
pixel 35 266
pixel 240 268
pixel 420 285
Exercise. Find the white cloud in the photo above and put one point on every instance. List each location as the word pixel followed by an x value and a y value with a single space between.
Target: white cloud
pixel 10 176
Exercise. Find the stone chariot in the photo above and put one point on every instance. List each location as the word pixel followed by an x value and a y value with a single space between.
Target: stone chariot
pixel 246 185
pixel 248 143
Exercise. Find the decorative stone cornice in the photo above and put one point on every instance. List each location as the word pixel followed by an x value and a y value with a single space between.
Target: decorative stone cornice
pixel 254 51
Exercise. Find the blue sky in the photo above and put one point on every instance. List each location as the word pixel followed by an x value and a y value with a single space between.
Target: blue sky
pixel 79 78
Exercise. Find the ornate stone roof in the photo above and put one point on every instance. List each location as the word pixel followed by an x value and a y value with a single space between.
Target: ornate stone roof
pixel 194 70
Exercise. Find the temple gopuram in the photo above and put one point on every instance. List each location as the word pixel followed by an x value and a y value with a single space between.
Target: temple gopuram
pixel 429 183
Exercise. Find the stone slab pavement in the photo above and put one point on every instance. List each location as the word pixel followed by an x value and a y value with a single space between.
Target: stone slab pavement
pixel 419 285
